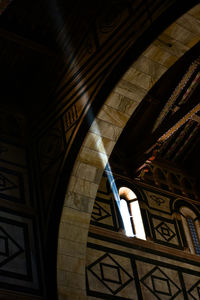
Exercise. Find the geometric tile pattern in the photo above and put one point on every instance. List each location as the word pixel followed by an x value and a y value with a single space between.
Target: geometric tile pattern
pixel 70 117
pixel 4 246
pixel 13 248
pixel 160 285
pixel 126 274
pixel 18 253
pixel 6 183
pixel 9 248
pixel 110 273
pixel 51 149
pixel 164 230
pixel 194 291
pixel 51 146
pixel 99 213
pixel 11 185
pixel 116 273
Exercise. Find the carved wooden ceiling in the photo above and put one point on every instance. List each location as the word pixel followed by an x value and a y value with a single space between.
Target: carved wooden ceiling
pixel 166 126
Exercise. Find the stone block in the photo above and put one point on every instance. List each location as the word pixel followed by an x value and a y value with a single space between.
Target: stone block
pixel 121 103
pixel 85 171
pixel 70 248
pixel 113 116
pixel 72 232
pixel 79 202
pixel 171 45
pixel 149 67
pixel 71 264
pixel 160 56
pixel 180 33
pixel 73 216
pixel 69 279
pixel 191 23
pixel 98 143
pixel 138 78
pixel 130 90
pixel 94 158
pixel 106 129
pixel 85 187
pixel 68 293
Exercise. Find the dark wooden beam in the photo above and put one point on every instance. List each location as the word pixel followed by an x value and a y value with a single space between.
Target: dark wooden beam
pixel 26 43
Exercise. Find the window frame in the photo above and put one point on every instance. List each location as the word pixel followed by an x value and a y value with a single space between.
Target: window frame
pixel 129 196
pixel 186 213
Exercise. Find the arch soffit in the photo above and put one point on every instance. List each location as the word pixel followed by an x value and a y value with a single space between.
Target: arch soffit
pixel 101 138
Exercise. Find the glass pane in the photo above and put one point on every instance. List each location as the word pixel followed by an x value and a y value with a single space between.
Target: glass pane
pixel 126 218
pixel 137 219
pixel 194 235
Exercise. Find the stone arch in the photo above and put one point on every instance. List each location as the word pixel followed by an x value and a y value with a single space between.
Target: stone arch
pixel 100 140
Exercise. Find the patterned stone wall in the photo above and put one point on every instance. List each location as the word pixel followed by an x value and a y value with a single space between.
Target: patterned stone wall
pixel 20 258
pixel 119 269
pixel 100 140
pixel 161 267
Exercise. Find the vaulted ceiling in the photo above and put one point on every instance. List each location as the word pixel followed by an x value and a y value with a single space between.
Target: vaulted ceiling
pixel 33 60
pixel 29 62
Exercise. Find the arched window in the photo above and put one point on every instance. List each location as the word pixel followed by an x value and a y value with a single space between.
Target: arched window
pixel 191 225
pixel 131 214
